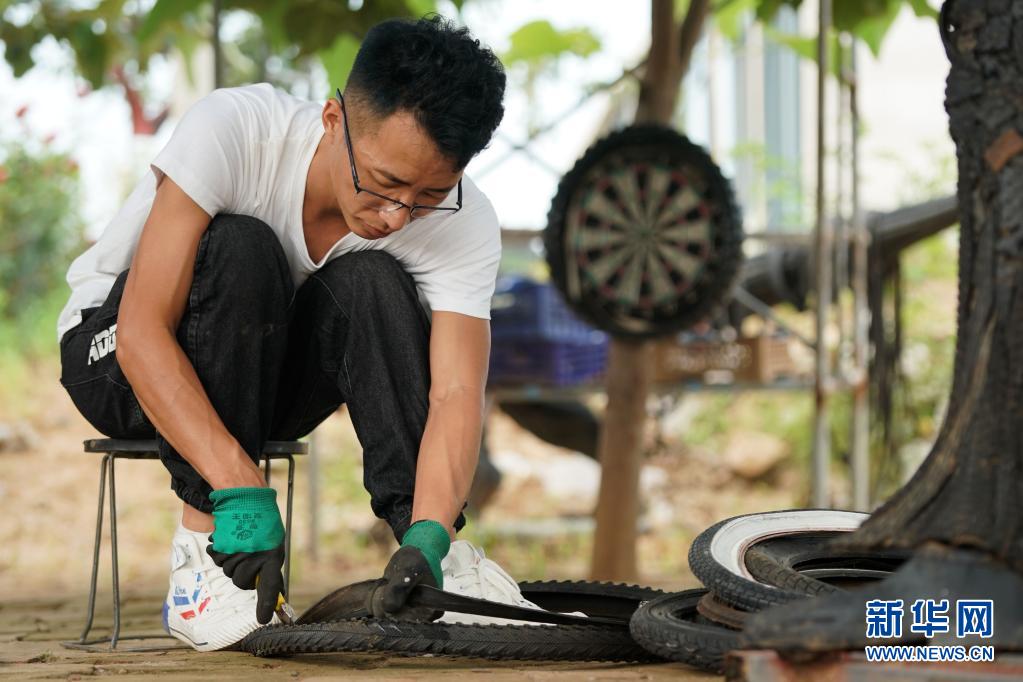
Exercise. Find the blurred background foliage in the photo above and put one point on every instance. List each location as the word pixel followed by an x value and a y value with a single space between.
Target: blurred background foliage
pixel 285 42
pixel 40 232
pixel 39 227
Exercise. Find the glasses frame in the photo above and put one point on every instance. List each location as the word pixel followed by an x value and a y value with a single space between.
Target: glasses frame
pixel 397 204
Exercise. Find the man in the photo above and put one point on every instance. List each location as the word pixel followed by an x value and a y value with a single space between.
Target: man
pixel 267 271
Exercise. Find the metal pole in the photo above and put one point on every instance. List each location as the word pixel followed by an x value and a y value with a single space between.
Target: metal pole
pixel 287 528
pixel 115 579
pixel 218 52
pixel 861 315
pixel 822 240
pixel 95 549
pixel 841 217
pixel 313 473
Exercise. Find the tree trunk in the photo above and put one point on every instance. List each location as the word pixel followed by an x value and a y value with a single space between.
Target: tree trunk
pixel 628 383
pixel 969 491
pixel 620 449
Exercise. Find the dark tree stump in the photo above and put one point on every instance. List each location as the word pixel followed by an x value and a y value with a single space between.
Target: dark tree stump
pixel 969 491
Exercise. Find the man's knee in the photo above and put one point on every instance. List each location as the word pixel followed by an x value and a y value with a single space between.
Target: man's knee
pixel 242 254
pixel 368 276
pixel 243 239
pixel 374 285
pixel 364 267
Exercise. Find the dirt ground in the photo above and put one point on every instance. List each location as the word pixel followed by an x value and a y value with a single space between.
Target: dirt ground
pixel 31 631
pixel 536 527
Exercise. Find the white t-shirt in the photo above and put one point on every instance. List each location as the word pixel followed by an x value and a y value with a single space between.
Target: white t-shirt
pixel 247 150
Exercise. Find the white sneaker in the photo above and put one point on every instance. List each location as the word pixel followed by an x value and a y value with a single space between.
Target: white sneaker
pixel 468 572
pixel 203 608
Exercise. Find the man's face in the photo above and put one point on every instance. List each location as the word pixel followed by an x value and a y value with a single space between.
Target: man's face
pixel 393 157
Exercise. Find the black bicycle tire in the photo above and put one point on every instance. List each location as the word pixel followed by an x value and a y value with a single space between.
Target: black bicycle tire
pixel 594 598
pixel 719 612
pixel 605 599
pixel 738 591
pixel 495 642
pixel 780 562
pixel 710 292
pixel 732 589
pixel 670 627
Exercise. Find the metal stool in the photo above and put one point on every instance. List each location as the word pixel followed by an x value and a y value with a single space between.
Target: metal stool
pixel 114 449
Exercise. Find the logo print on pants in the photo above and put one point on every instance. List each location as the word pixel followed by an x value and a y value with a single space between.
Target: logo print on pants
pixel 102 344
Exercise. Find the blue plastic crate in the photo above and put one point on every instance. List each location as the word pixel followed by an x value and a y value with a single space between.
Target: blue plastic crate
pixel 548 363
pixel 522 308
pixel 536 339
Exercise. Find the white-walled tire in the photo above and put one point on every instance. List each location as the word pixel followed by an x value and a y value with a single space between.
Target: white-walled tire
pixel 717 555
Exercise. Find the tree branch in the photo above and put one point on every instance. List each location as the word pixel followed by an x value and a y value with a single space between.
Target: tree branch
pixel 689 32
pixel 671 50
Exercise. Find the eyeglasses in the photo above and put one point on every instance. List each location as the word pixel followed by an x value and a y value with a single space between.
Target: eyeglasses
pixel 415 210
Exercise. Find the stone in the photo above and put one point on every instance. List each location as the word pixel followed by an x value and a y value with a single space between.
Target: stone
pixel 753 454
pixel 19 437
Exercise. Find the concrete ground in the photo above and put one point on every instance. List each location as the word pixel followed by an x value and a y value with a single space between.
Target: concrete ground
pixel 31 630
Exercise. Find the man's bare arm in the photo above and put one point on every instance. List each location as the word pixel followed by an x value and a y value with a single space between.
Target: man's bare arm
pixel 148 352
pixel 459 358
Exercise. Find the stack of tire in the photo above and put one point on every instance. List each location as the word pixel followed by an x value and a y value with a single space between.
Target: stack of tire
pixel 746 564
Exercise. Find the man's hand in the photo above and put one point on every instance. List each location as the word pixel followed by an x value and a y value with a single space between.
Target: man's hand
pixel 417 562
pixel 255 570
pixel 248 543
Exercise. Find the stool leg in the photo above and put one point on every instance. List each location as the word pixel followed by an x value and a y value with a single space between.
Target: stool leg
pixel 113 557
pixel 266 469
pixel 95 549
pixel 287 527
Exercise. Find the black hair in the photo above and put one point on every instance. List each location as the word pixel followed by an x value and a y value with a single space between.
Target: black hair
pixel 439 73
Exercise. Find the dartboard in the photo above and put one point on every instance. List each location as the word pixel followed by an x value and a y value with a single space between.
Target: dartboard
pixel 644 237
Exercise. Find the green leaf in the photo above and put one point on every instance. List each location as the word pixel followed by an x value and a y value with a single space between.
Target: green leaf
pixel 314 25
pixel 418 8
pixel 164 11
pixel 767 9
pixel 922 9
pixel 91 54
pixel 872 28
pixel 729 15
pixel 538 42
pixel 806 47
pixel 271 16
pixel 338 59
pixel 18 43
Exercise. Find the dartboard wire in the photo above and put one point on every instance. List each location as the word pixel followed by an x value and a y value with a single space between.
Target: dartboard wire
pixel 682 262
pixel 661 286
pixel 678 207
pixel 623 180
pixel 602 270
pixel 596 239
pixel 612 233
pixel 658 181
pixel 686 230
pixel 596 202
pixel 631 281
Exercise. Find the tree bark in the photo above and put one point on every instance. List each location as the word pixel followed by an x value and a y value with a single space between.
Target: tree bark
pixel 620 446
pixel 671 51
pixel 969 490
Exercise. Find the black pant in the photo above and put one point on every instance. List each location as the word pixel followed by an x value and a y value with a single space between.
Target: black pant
pixel 276 362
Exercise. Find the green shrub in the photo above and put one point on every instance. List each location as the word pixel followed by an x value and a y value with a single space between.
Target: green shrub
pixel 40 228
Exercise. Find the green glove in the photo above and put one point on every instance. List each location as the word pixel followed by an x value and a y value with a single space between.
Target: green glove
pixel 246 520
pixel 432 539
pixel 417 562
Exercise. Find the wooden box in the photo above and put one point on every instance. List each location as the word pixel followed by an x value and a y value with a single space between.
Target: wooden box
pixel 759 359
